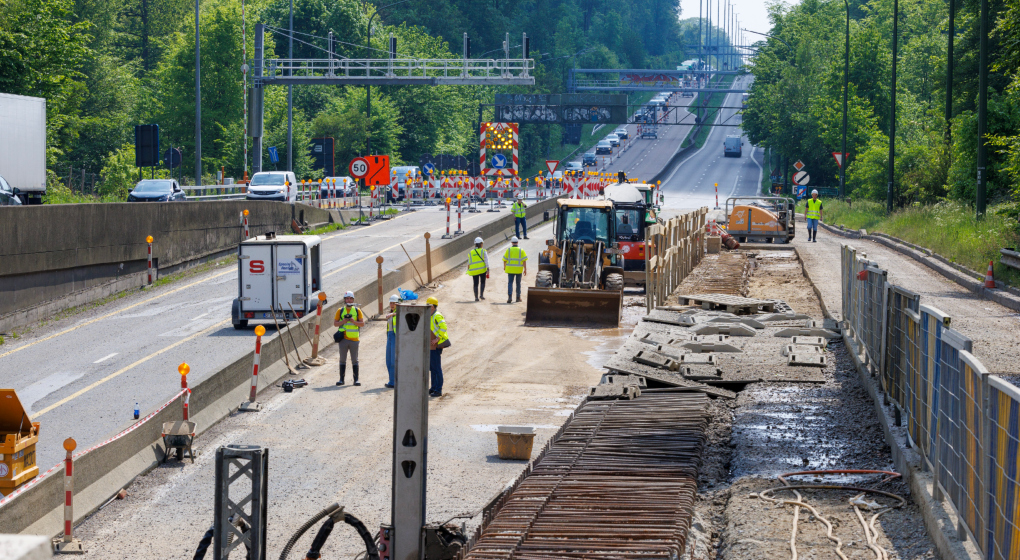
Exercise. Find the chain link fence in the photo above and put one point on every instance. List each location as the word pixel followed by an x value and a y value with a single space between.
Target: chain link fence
pixel 963 421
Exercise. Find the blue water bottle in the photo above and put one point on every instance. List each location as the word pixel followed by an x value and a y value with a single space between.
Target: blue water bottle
pixel 136 411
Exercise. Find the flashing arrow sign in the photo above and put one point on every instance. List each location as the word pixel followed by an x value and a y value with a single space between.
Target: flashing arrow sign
pixel 552 164
pixel 839 158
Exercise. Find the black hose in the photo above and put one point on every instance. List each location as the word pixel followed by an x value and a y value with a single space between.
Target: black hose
pixel 204 544
pixel 370 548
pixel 320 540
pixel 303 528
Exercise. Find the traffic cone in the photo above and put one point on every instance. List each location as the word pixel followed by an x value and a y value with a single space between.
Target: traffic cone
pixel 990 277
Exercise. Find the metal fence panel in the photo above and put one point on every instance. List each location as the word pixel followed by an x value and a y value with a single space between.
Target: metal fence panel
pixel 896 370
pixel 933 322
pixel 1003 536
pixel 873 315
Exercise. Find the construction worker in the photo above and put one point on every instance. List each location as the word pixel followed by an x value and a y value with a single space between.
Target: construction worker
pixel 439 340
pixel 349 321
pixel 478 268
pixel 515 262
pixel 520 211
pixel 391 340
pixel 813 213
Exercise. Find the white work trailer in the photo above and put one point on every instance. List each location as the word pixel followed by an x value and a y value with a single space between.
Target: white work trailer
pixel 274 275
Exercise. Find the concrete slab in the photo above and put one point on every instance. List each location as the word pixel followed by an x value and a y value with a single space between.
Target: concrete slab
pixel 702 359
pixel 787 333
pixel 812 359
pixel 708 347
pixel 802 349
pixel 773 317
pixel 729 329
pixel 654 359
pixel 810 341
pixel 742 320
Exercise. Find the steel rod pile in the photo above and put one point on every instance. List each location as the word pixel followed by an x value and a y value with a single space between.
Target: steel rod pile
pixel 619 481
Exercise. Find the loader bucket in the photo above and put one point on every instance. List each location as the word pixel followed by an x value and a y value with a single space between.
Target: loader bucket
pixel 573 308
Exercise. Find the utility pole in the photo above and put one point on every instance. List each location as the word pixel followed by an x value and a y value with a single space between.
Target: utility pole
pixel 290 96
pixel 982 151
pixel 701 51
pixel 949 73
pixel 198 103
pixel 846 87
pixel 892 111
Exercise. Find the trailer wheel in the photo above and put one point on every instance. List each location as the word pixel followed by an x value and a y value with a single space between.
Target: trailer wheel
pixel 544 279
pixel 241 324
pixel 614 282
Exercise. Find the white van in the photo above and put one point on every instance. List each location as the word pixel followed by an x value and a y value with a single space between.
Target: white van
pixel 273 185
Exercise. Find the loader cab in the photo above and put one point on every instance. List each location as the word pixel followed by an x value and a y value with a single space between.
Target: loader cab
pixel 586 224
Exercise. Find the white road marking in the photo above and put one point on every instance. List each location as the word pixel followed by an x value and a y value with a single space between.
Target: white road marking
pixel 200 316
pixel 104 358
pixel 47 385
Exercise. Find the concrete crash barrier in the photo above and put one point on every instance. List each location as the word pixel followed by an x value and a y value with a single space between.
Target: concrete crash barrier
pixel 62 255
pixel 102 470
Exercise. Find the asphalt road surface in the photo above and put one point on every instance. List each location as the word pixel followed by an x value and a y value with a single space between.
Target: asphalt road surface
pixel 81 376
pixel 692 183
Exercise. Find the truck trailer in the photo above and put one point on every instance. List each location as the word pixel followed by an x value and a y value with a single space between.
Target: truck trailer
pixel 23 145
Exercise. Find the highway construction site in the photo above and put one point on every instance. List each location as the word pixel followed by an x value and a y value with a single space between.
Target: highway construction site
pixel 663 438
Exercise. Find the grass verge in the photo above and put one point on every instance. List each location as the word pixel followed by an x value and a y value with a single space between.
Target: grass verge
pixel 947 228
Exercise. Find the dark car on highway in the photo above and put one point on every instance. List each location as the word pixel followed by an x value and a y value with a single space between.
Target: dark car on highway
pixel 603 147
pixel 590 159
pixel 7 195
pixel 156 190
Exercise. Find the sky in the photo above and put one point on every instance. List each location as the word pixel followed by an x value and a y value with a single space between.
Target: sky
pixel 751 13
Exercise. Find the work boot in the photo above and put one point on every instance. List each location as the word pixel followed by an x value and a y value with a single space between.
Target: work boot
pixel 354 368
pixel 518 299
pixel 509 299
pixel 343 370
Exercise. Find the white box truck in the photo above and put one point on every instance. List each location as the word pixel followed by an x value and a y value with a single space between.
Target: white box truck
pixel 23 145
pixel 275 274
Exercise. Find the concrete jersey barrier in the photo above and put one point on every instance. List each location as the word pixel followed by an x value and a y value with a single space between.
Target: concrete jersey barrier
pixel 102 471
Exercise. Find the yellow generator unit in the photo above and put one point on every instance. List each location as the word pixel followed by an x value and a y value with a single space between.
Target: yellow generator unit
pixel 761 219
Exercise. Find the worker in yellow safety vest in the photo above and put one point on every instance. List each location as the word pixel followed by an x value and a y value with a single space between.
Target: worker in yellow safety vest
pixel 520 211
pixel 515 263
pixel 391 340
pixel 813 214
pixel 478 268
pixel 439 340
pixel 349 321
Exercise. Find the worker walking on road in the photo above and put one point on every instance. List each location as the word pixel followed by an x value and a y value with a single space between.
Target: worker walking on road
pixel 478 268
pixel 515 262
pixel 349 320
pixel 391 340
pixel 439 340
pixel 813 214
pixel 520 211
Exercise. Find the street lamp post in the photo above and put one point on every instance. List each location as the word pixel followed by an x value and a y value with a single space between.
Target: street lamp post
pixel 846 88
pixel 892 109
pixel 198 104
pixel 368 88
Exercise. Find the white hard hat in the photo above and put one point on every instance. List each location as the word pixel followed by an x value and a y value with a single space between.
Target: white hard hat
pixel 349 294
pixel 514 239
pixel 478 240
pixel 394 298
pixel 814 191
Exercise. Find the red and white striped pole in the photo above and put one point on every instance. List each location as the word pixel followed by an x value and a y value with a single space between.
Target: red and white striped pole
pixel 459 231
pixel 371 204
pixel 447 236
pixel 252 405
pixel 318 324
pixel 246 235
pixel 149 241
pixel 183 369
pixel 67 543
pixel 717 196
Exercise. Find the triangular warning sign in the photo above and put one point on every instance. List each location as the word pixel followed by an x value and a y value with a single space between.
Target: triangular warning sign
pixel 551 164
pixel 839 158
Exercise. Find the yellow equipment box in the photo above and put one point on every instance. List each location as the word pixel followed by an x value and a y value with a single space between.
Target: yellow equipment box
pixel 18 436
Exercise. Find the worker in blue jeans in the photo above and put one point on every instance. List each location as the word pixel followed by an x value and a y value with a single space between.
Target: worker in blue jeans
pixel 439 340
pixel 391 340
pixel 520 211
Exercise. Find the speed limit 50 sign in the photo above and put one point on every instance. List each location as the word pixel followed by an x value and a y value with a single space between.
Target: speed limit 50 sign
pixel 359 167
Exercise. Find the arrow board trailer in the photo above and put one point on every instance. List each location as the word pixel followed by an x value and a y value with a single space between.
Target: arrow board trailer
pixel 277 273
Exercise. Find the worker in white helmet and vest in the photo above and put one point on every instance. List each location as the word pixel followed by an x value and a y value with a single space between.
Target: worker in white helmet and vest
pixel 440 339
pixel 515 263
pixel 520 211
pixel 813 214
pixel 391 340
pixel 349 321
pixel 478 268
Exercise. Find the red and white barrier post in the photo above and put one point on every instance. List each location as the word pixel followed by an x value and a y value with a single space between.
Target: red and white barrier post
pixel 459 231
pixel 67 543
pixel 371 203
pixel 318 325
pixel 183 369
pixel 252 405
pixel 447 236
pixel 149 241
pixel 717 196
pixel 244 221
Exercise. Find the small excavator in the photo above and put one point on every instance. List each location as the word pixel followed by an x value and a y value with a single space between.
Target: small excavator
pixel 768 219
pixel 580 274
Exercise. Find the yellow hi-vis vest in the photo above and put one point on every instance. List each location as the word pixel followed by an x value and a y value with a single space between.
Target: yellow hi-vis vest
pixel 438 326
pixel 391 325
pixel 476 262
pixel 814 209
pixel 514 259
pixel 351 332
pixel 520 210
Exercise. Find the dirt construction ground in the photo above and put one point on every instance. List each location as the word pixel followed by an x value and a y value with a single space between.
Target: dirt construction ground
pixel 333 444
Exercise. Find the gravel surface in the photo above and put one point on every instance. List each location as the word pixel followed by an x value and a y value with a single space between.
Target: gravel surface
pixel 333 444
pixel 774 428
pixel 992 327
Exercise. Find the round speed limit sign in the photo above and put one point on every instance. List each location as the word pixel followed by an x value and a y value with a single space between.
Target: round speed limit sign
pixel 359 167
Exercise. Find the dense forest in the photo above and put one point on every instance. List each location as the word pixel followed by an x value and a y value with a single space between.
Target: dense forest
pixel 795 106
pixel 106 66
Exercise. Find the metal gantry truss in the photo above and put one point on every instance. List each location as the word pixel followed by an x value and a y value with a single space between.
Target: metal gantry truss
pixel 607 82
pixel 392 71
